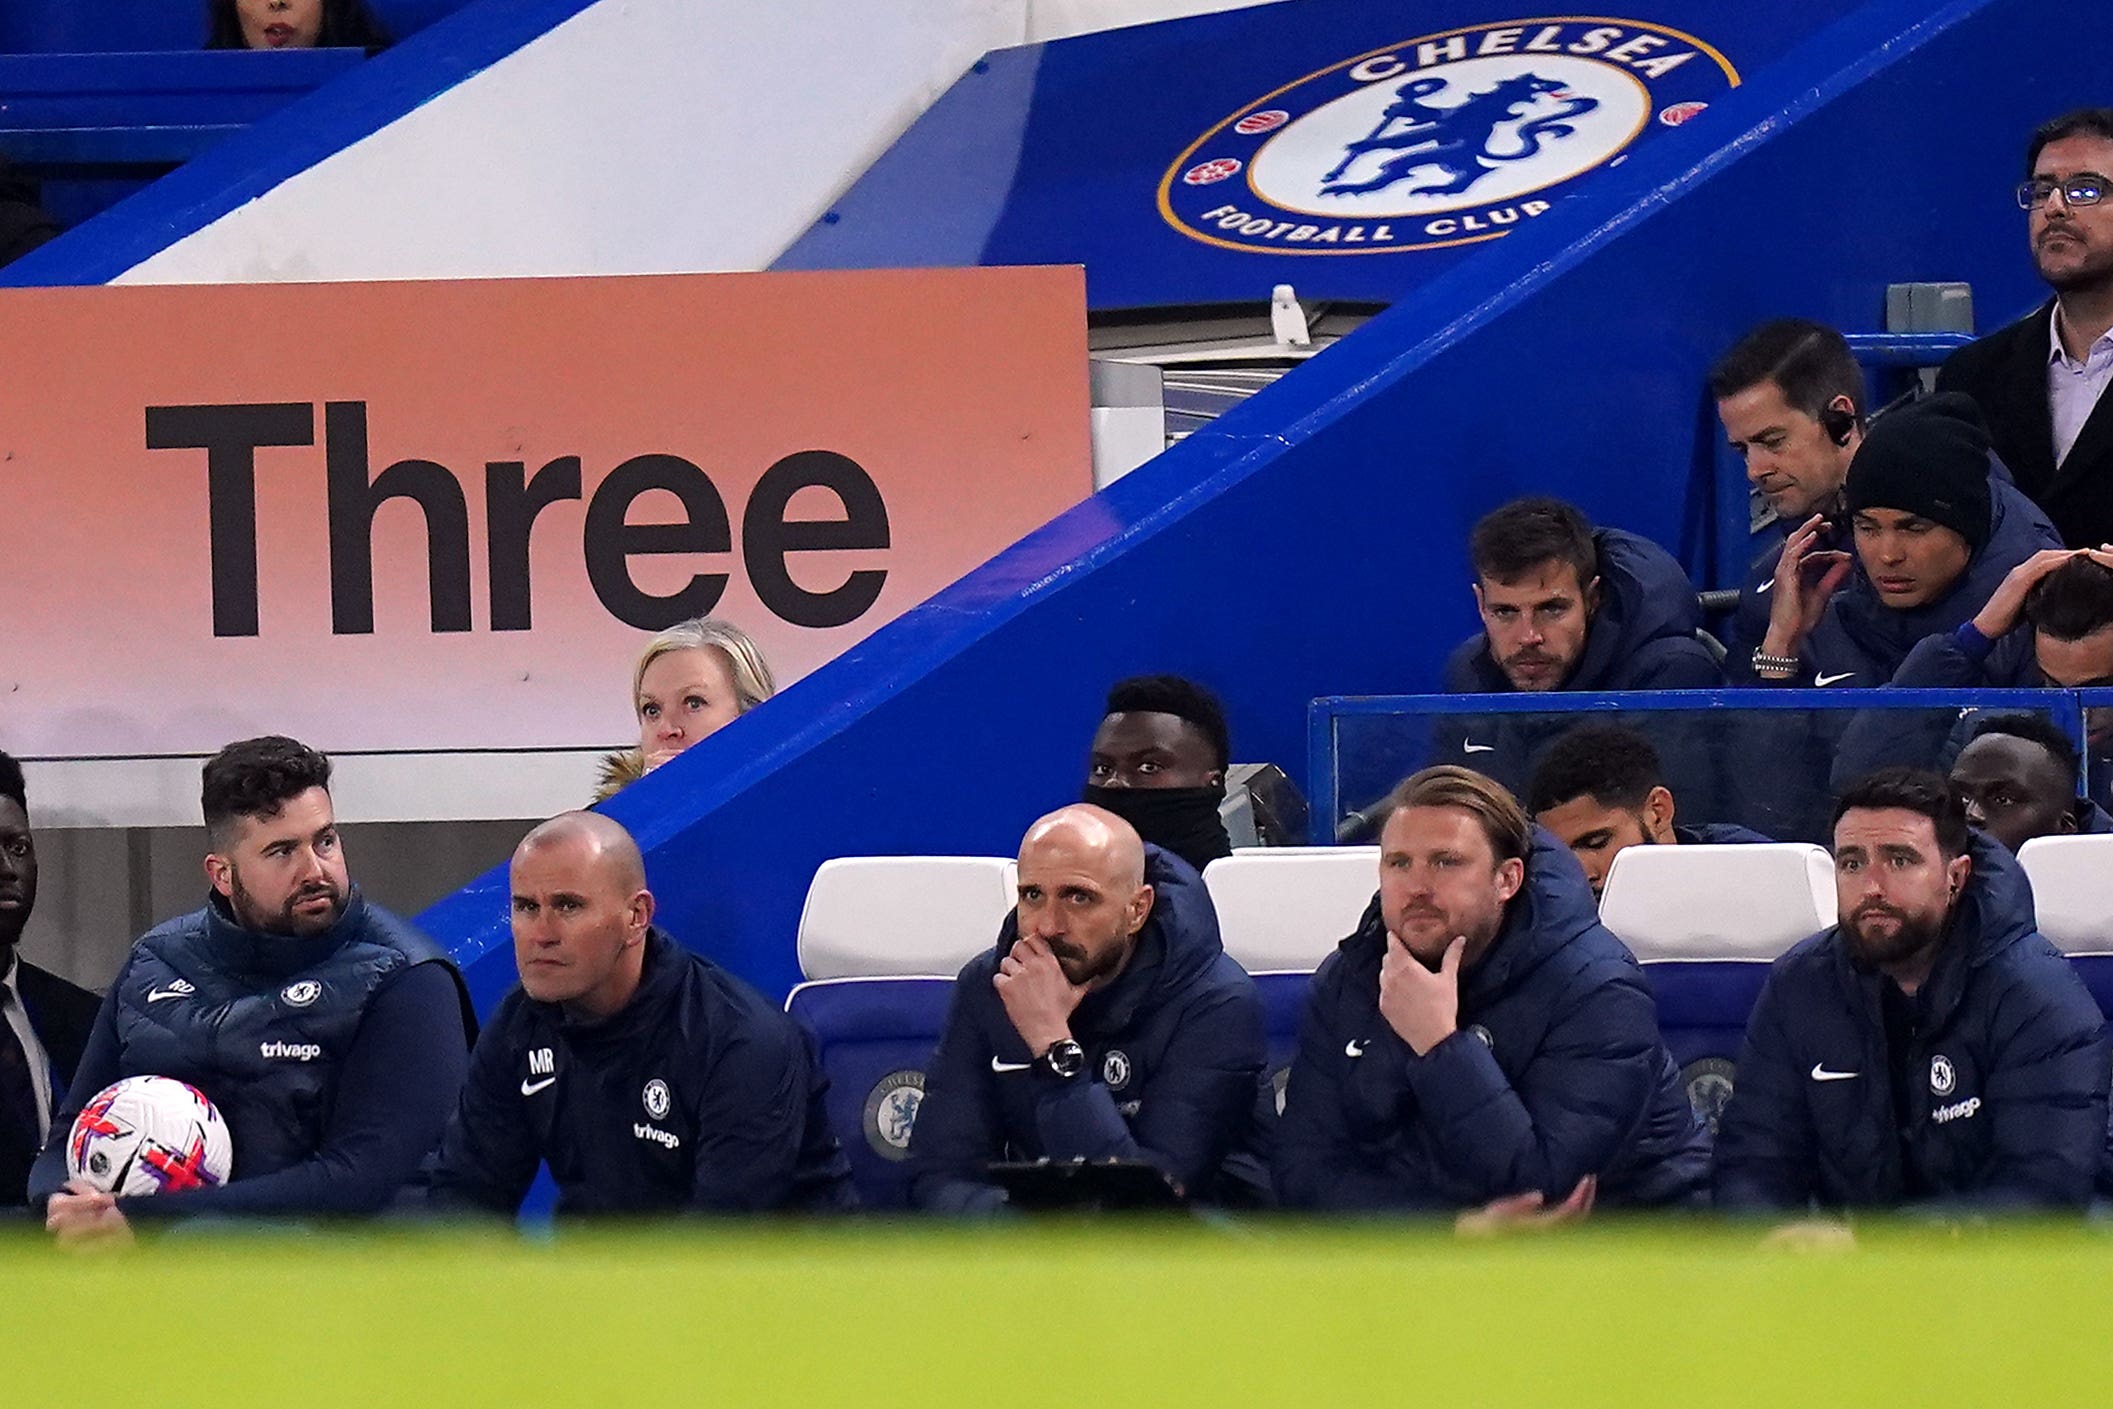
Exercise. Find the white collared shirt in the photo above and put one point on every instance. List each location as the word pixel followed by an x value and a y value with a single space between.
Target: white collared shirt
pixel 2073 387
pixel 32 1048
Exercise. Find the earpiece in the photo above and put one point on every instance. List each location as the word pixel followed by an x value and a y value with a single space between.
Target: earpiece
pixel 1837 423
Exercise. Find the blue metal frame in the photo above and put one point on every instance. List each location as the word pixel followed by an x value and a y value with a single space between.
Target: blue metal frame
pixel 1324 792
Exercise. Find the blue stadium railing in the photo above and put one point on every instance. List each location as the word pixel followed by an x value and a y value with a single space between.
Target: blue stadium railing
pixel 1349 735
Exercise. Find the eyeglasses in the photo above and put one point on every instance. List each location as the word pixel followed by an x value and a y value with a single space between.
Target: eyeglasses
pixel 2084 188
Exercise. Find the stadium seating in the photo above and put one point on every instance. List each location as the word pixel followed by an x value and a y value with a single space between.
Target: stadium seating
pixel 1287 907
pixel 878 916
pixel 881 938
pixel 1282 910
pixel 2072 894
pixel 1705 922
pixel 874 1037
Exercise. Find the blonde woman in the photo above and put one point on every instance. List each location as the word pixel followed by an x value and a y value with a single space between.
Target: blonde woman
pixel 691 679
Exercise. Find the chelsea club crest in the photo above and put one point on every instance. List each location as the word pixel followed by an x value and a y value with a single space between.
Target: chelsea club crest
pixel 1444 140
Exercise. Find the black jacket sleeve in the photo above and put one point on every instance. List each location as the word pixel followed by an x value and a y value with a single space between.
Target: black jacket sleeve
pixel 1570 1109
pixel 1316 1163
pixel 1192 1108
pixel 489 1153
pixel 2046 1097
pixel 1766 1145
pixel 957 1132
pixel 755 1108
pixel 98 1068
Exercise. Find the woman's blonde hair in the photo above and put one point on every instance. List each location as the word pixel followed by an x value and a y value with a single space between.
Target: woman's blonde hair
pixel 744 658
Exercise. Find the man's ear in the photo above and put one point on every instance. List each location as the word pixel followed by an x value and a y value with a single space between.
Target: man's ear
pixel 220 874
pixel 1592 597
pixel 1957 871
pixel 1510 876
pixel 641 911
pixel 2072 817
pixel 1140 909
pixel 1658 812
pixel 1476 588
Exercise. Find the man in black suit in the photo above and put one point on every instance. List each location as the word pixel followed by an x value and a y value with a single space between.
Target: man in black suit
pixel 44 1020
pixel 2040 381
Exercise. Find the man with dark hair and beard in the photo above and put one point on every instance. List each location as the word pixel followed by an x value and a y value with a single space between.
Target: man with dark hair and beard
pixel 1932 1048
pixel 2041 381
pixel 1158 761
pixel 1107 1023
pixel 332 1035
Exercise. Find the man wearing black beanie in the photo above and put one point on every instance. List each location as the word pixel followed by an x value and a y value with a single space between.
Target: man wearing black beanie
pixel 1937 526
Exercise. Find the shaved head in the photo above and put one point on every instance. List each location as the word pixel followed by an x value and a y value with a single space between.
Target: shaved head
pixel 1082 891
pixel 1088 831
pixel 610 849
pixel 581 912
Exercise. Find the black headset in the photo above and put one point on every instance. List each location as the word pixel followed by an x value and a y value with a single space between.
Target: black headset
pixel 1837 423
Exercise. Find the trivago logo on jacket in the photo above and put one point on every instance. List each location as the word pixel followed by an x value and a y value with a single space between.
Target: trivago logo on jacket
pixel 1441 140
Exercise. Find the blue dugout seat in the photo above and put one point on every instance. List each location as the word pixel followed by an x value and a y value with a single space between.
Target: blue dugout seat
pixel 1705 922
pixel 875 1036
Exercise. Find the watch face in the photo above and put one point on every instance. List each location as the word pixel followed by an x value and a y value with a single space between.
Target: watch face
pixel 1067 1059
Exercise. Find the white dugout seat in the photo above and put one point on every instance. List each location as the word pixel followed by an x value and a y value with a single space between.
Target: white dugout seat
pixel 2072 890
pixel 888 916
pixel 1286 908
pixel 1705 903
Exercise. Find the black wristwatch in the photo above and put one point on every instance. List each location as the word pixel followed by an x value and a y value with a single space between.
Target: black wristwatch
pixel 1065 1059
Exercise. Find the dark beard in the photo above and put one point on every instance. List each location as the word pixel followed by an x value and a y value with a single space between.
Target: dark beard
pixel 1910 937
pixel 253 916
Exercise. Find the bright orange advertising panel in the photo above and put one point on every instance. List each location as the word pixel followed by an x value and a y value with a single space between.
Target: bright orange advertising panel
pixel 443 516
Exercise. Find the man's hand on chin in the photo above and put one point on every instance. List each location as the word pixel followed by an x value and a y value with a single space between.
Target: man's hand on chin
pixel 82 1216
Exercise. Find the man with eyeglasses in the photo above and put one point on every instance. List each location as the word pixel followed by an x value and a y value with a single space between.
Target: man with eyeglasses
pixel 2040 381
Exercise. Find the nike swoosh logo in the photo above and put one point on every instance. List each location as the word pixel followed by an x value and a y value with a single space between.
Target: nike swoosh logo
pixel 1820 1073
pixel 1768 586
pixel 160 993
pixel 529 1088
pixel 996 1065
pixel 1478 748
pixel 1355 1047
pixel 1825 680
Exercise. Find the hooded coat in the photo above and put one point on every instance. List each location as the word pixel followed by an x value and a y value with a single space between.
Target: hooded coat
pixel 1557 1070
pixel 1174 1056
pixel 2004 1104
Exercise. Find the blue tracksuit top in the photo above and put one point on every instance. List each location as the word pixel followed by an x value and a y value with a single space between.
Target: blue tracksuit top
pixel 1174 1055
pixel 699 1096
pixel 2006 1090
pixel 1557 1071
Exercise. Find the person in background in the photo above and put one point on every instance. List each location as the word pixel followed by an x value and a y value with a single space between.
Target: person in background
pixel 1158 761
pixel 2041 381
pixel 1482 1046
pixel 2016 778
pixel 1932 1049
pixel 332 1035
pixel 646 1077
pixel 1601 789
pixel 294 24
pixel 1107 1022
pixel 1791 399
pixel 691 680
pixel 44 1020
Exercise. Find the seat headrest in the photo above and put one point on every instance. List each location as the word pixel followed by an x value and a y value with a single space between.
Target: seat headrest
pixel 1672 903
pixel 878 916
pixel 2072 890
pixel 1288 907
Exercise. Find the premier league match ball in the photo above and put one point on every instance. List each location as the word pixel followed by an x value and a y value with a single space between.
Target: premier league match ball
pixel 147 1135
